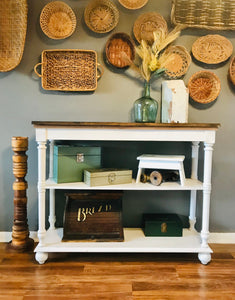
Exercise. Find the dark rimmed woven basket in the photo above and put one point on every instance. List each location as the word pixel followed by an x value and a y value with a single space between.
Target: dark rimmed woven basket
pixel 101 16
pixel 232 70
pixel 204 87
pixel 120 50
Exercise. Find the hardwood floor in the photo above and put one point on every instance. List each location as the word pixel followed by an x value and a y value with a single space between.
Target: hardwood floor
pixel 118 276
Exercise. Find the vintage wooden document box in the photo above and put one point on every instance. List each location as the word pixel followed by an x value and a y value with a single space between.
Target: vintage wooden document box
pixel 69 162
pixel 162 225
pixel 94 215
pixel 99 177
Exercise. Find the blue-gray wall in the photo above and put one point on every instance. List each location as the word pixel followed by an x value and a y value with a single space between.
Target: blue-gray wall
pixel 23 100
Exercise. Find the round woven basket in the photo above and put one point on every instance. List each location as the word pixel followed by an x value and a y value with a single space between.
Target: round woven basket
pixel 133 4
pixel 204 87
pixel 212 49
pixel 232 70
pixel 179 61
pixel 146 24
pixel 101 16
pixel 57 20
pixel 120 50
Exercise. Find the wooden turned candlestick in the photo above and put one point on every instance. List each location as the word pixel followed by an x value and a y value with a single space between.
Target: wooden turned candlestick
pixel 20 232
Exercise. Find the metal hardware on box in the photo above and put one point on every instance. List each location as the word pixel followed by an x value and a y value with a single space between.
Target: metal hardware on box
pixel 80 157
pixel 163 227
pixel 111 177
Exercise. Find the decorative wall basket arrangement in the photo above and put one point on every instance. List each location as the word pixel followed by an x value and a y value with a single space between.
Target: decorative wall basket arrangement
pixel 69 70
pixel 232 70
pixel 57 20
pixel 13 27
pixel 208 14
pixel 146 24
pixel 204 87
pixel 120 50
pixel 101 16
pixel 212 49
pixel 180 62
pixel 133 4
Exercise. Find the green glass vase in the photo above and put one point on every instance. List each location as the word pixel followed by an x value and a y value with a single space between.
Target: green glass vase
pixel 145 108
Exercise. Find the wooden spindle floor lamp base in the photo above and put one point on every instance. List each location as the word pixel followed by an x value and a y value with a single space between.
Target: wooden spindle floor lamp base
pixel 20 232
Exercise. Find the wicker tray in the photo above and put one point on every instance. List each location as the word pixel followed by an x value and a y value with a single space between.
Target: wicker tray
pixel 69 70
pixel 179 62
pixel 146 24
pixel 209 14
pixel 232 70
pixel 13 27
pixel 204 87
pixel 57 20
pixel 101 16
pixel 120 50
pixel 133 4
pixel 212 49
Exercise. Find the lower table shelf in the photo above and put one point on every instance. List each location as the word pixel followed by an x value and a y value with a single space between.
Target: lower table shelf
pixel 134 241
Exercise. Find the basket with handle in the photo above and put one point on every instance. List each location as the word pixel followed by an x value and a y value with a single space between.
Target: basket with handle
pixel 69 70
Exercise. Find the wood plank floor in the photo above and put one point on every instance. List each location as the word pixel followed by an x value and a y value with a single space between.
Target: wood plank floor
pixel 118 276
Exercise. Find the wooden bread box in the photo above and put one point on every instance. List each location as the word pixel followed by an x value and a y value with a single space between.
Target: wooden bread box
pixel 108 176
pixel 69 162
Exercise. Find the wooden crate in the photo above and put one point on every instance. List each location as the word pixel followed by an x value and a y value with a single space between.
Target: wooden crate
pixel 94 215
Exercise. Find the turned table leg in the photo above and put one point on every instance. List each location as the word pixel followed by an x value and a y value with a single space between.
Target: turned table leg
pixel 20 232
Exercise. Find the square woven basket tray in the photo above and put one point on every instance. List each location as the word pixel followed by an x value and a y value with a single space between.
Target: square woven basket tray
pixel 68 70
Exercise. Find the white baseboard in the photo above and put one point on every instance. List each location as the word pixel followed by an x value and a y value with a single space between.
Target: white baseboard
pixel 217 238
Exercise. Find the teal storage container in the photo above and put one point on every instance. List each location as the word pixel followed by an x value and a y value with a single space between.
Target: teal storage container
pixel 69 161
pixel 162 225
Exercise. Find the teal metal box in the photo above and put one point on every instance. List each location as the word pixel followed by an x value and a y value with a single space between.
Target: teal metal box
pixel 162 225
pixel 69 161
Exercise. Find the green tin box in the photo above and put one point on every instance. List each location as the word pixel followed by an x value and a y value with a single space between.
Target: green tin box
pixel 162 225
pixel 69 161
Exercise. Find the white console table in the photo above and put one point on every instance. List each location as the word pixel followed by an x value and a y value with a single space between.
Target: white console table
pixel 134 239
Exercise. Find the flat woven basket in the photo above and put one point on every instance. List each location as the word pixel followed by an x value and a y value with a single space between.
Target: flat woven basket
pixel 232 70
pixel 212 49
pixel 146 24
pixel 208 14
pixel 57 20
pixel 13 27
pixel 204 87
pixel 120 50
pixel 133 4
pixel 101 16
pixel 179 62
pixel 69 70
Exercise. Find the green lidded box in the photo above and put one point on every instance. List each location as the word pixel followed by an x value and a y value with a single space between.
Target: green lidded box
pixel 69 162
pixel 108 176
pixel 162 225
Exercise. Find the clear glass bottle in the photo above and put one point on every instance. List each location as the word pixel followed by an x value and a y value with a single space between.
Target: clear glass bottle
pixel 145 108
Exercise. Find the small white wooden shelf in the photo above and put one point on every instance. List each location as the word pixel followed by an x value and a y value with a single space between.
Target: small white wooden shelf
pixel 134 239
pixel 190 184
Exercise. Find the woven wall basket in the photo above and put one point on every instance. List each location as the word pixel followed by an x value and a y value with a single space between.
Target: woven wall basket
pixel 69 70
pixel 120 50
pixel 232 70
pixel 179 62
pixel 146 24
pixel 212 49
pixel 13 27
pixel 101 16
pixel 204 87
pixel 133 4
pixel 209 14
pixel 57 20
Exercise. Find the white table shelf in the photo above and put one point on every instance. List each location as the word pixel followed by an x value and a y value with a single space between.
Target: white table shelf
pixel 134 239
